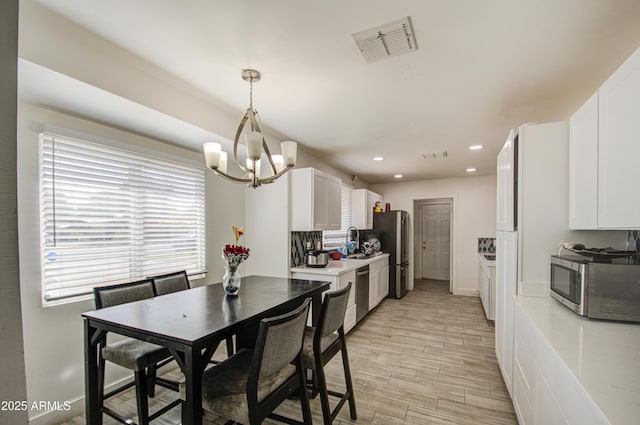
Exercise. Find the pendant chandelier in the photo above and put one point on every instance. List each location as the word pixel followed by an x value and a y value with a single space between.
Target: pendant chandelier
pixel 255 145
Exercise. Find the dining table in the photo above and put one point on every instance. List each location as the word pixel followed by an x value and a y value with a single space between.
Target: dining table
pixel 191 324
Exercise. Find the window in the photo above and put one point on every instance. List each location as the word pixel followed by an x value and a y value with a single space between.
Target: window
pixel 333 239
pixel 111 216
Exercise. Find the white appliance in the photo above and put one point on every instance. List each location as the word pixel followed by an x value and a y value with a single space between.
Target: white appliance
pixel 532 218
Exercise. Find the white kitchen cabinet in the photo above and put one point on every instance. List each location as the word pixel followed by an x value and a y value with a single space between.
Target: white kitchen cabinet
pixel 487 287
pixel 583 166
pixel 505 180
pixel 378 281
pixel 506 286
pixel 350 314
pixel 338 281
pixel 374 287
pixel 545 391
pixel 619 147
pixel 384 281
pixel 604 151
pixel 362 203
pixel 315 200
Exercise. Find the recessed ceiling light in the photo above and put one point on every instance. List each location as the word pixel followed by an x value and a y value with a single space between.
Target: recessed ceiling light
pixel 476 147
pixel 471 170
pixel 378 158
pixel 398 176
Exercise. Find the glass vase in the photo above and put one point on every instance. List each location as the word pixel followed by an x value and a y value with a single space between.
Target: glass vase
pixel 231 281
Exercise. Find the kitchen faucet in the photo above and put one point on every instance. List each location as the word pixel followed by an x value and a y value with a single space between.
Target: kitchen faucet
pixel 349 234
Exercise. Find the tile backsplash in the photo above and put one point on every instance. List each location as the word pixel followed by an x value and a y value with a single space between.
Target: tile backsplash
pixel 487 245
pixel 299 245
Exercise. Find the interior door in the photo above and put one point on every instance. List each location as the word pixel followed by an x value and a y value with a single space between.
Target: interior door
pixel 436 235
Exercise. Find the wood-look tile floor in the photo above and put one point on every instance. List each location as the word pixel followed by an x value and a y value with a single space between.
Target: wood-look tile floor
pixel 428 358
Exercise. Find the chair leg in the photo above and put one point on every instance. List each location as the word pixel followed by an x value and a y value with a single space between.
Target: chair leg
pixel 151 380
pixel 230 350
pixel 347 379
pixel 141 397
pixel 304 397
pixel 322 390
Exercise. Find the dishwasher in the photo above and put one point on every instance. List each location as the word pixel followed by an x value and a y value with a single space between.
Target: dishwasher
pixel 362 292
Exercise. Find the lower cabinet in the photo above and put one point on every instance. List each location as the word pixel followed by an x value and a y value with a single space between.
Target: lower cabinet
pixel 337 282
pixel 378 282
pixel 487 288
pixel 378 285
pixel 506 283
pixel 544 390
pixel 350 315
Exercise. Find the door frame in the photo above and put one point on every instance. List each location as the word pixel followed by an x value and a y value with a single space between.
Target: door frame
pixel 453 236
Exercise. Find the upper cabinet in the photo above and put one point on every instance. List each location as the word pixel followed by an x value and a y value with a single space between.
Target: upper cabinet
pixel 583 166
pixel 505 212
pixel 315 200
pixel 363 202
pixel 604 150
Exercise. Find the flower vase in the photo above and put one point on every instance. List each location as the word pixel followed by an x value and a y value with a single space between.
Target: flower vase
pixel 231 281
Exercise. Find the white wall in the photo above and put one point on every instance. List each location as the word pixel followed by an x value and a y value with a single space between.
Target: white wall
pixel 474 216
pixel 12 377
pixel 54 335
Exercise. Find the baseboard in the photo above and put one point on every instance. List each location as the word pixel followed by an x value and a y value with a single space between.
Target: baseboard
pixel 76 406
pixel 467 292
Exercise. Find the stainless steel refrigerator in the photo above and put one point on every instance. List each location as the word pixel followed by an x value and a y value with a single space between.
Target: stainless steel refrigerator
pixel 393 231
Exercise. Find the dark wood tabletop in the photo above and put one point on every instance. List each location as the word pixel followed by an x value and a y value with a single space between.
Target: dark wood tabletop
pixel 190 321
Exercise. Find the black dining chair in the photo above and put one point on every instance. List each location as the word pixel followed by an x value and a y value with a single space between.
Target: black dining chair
pixel 139 356
pixel 247 387
pixel 171 282
pixel 179 281
pixel 321 344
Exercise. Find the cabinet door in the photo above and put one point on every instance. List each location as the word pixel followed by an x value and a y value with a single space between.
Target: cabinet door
pixel 483 288
pixel 374 287
pixel 384 282
pixel 505 189
pixel 506 275
pixel 320 196
pixel 583 166
pixel 619 148
pixel 334 204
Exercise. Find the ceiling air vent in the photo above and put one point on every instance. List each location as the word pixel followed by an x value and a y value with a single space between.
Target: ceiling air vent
pixel 435 155
pixel 385 41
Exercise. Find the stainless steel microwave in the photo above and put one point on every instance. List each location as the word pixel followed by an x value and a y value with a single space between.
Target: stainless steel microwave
pixel 599 290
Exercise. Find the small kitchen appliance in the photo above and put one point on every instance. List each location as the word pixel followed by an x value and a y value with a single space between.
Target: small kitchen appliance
pixel 597 287
pixel 317 257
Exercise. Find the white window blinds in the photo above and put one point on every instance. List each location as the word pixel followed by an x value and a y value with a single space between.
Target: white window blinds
pixel 111 216
pixel 333 239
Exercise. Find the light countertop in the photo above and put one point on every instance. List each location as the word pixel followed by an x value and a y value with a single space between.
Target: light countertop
pixel 338 267
pixel 604 356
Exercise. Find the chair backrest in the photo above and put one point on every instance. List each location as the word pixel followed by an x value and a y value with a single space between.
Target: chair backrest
pixel 108 296
pixel 171 282
pixel 333 310
pixel 279 342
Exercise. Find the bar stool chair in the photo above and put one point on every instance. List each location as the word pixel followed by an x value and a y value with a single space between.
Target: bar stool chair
pixel 321 344
pixel 175 282
pixel 247 387
pixel 139 356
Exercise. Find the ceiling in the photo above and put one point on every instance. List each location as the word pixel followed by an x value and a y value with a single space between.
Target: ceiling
pixel 480 69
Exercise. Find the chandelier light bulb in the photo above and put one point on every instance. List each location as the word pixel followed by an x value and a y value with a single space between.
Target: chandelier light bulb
pixel 253 140
pixel 212 154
